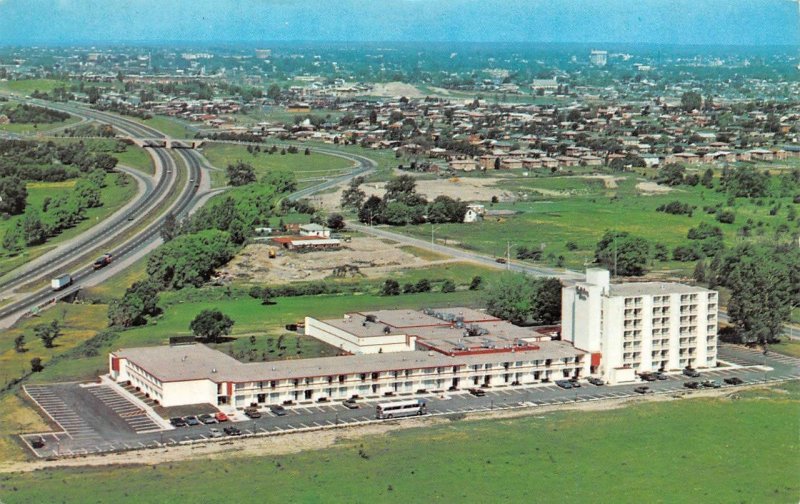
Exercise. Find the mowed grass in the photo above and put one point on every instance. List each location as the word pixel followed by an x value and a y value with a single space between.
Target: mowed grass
pixel 313 166
pixel 23 128
pixel 787 347
pixel 113 196
pixel 136 157
pixel 587 209
pixel 712 450
pixel 28 86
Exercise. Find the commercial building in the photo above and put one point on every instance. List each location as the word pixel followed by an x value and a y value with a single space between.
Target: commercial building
pixel 630 328
pixel 421 352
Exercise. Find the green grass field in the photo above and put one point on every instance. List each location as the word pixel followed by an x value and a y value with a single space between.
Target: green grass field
pixel 314 166
pixel 136 157
pixel 113 197
pixel 713 450
pixel 581 209
pixel 37 128
pixel 28 86
pixel 173 128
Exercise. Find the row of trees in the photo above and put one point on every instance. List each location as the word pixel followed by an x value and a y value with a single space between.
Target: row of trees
pixel 31 114
pixel 401 204
pixel 521 298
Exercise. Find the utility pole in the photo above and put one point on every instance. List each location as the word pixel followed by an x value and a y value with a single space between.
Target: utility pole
pixel 508 255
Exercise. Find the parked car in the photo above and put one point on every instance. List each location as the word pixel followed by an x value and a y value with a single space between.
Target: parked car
pixel 477 392
pixel 575 383
pixel 252 412
pixel 711 384
pixel 643 389
pixel 191 420
pixel 596 381
pixel 214 432
pixel 37 442
pixel 691 373
pixel 691 385
pixel 501 260
pixel 221 417
pixel 565 384
pixel 177 422
pixel 207 418
pixel 661 375
pixel 350 404
pixel 232 431
pixel 733 380
pixel 648 377
pixel 278 410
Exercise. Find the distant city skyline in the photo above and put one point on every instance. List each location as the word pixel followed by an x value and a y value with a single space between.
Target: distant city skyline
pixel 678 22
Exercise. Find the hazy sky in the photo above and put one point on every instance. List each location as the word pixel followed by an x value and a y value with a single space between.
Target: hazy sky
pixel 737 22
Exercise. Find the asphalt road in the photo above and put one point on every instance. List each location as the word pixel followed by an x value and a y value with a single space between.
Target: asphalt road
pixel 99 419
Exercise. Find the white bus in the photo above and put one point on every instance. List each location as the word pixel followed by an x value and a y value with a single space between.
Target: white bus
pixel 401 409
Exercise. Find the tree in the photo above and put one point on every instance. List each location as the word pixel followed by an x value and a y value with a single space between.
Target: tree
pixel 390 288
pixel 171 228
pixel 240 174
pixel 448 286
pixel 48 333
pixel 13 195
pixel 691 100
pixel 446 209
pixel 139 301
pixel 623 254
pixel 762 291
pixel 12 240
pixel 708 178
pixel 274 92
pixel 671 174
pixel 699 274
pixel 476 283
pixel 36 365
pixel 510 296
pixel 335 221
pixel 211 325
pixel 19 344
pixel 353 197
pixel 371 210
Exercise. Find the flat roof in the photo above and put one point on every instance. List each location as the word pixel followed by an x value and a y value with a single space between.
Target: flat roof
pixel 198 362
pixel 653 289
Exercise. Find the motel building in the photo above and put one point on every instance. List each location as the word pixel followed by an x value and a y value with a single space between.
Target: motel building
pixel 636 327
pixel 393 353
pixel 612 331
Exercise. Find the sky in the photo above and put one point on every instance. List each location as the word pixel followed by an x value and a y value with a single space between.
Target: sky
pixel 718 22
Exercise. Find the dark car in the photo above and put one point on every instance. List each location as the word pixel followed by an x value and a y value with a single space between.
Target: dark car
pixel 661 376
pixel 206 418
pixel 596 381
pixel 177 422
pixel 232 431
pixel 477 392
pixel 277 410
pixel 648 377
pixel 351 404
pixel 565 384
pixel 691 373
pixel 711 384
pixel 734 380
pixel 643 390
pixel 691 385
pixel 102 261
pixel 37 442
pixel 191 420
pixel 252 413
pixel 575 383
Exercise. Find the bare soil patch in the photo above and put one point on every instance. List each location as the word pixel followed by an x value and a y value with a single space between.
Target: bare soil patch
pixel 393 89
pixel 372 258
pixel 652 188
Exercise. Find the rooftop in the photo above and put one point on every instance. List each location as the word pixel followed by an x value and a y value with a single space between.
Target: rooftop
pixel 653 289
pixel 198 362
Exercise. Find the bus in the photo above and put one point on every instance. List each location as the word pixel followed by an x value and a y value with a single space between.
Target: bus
pixel 401 409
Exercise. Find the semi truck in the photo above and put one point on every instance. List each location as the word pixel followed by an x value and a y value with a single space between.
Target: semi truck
pixel 61 282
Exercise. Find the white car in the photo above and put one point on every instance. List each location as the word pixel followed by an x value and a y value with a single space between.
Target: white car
pixel 214 432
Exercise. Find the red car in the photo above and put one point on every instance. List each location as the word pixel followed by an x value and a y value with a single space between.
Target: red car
pixel 221 417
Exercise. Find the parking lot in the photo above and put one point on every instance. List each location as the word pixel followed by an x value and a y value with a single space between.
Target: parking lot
pixel 102 418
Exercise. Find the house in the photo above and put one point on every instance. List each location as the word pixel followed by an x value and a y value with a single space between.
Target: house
pixel 591 160
pixel 315 230
pixel 474 213
pixel 462 164
pixel 306 243
pixel 511 163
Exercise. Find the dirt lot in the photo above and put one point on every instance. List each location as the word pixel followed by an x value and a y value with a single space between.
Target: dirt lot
pixel 467 189
pixel 652 188
pixel 393 89
pixel 373 257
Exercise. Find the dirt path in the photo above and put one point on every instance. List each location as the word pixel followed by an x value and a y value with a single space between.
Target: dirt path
pixel 319 439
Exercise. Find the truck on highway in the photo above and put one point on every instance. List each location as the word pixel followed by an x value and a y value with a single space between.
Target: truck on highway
pixel 102 261
pixel 60 282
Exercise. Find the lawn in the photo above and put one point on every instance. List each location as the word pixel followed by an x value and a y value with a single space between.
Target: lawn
pixel 113 196
pixel 29 128
pixel 315 166
pixel 712 450
pixel 136 157
pixel 582 209
pixel 28 86
pixel 787 347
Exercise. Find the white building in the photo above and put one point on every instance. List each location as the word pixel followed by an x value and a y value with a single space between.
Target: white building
pixel 315 230
pixel 598 58
pixel 630 328
pixel 474 213
pixel 422 352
